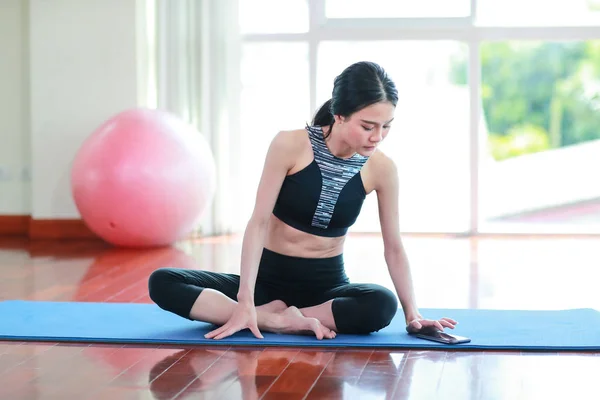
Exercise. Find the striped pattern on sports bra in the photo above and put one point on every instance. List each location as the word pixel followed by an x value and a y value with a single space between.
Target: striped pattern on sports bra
pixel 335 172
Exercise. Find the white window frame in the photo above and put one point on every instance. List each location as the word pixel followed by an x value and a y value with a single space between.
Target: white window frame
pixel 463 29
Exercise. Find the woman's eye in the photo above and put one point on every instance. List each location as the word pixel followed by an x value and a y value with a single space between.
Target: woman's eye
pixel 367 128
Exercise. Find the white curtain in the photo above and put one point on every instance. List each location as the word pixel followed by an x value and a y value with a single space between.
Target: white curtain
pixel 198 62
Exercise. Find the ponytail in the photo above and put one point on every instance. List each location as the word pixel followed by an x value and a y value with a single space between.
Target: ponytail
pixel 324 116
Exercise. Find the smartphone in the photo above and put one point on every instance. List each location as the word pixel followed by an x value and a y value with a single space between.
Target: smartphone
pixel 436 335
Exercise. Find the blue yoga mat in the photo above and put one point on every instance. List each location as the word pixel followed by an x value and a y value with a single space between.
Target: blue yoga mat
pixel 560 330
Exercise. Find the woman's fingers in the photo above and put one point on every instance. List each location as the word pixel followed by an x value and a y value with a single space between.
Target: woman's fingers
pixel 414 326
pixel 453 322
pixel 447 323
pixel 229 329
pixel 216 332
pixel 418 324
pixel 227 332
pixel 254 329
pixel 434 323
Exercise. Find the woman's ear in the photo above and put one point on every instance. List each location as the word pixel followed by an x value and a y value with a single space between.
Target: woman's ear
pixel 339 119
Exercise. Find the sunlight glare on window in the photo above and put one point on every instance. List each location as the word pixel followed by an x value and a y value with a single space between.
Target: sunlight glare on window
pixel 538 12
pixel 275 96
pixel 397 8
pixel 273 16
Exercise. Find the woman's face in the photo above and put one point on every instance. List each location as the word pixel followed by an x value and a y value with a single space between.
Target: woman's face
pixel 366 128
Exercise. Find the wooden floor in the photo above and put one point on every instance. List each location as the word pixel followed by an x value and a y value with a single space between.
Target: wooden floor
pixel 525 272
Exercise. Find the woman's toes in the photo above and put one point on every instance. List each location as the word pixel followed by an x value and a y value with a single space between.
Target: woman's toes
pixel 327 333
pixel 316 327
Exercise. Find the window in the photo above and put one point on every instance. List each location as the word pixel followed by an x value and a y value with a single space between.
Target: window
pixel 538 12
pixel 496 126
pixel 274 97
pixel 541 102
pixel 397 9
pixel 273 16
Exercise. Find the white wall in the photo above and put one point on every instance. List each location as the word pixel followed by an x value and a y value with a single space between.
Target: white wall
pixel 85 65
pixel 14 117
pixel 83 70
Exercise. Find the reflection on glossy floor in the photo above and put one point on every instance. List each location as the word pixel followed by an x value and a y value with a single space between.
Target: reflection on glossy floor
pixel 533 273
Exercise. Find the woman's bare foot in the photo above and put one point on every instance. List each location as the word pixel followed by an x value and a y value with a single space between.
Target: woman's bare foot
pixel 276 306
pixel 292 321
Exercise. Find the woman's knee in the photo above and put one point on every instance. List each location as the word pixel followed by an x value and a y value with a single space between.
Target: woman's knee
pixel 371 311
pixel 161 283
pixel 170 290
pixel 383 305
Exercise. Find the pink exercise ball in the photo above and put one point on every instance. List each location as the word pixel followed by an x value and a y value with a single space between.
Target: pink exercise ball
pixel 144 178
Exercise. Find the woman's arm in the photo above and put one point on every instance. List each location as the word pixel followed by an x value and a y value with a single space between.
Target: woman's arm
pixel 387 188
pixel 279 160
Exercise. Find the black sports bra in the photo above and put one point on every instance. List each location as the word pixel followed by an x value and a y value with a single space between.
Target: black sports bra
pixel 326 197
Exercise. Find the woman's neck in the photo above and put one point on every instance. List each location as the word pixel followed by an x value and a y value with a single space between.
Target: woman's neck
pixel 336 146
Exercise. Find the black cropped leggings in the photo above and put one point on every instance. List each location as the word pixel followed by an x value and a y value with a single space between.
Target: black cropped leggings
pixel 297 281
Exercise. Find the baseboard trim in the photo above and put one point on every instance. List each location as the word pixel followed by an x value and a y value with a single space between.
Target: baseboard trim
pixel 14 225
pixel 59 229
pixel 24 225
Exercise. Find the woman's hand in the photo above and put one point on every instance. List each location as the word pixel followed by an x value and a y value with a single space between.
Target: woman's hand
pixel 417 324
pixel 244 316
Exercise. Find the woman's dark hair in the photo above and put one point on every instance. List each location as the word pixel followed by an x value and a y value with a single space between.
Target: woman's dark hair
pixel 358 86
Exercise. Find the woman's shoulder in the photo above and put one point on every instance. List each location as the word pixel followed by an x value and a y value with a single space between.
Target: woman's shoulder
pixel 384 168
pixel 382 161
pixel 291 140
pixel 294 134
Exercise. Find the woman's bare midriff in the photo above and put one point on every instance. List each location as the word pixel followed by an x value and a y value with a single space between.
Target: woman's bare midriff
pixel 283 239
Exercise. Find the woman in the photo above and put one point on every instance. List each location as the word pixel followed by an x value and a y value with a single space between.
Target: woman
pixel 312 188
